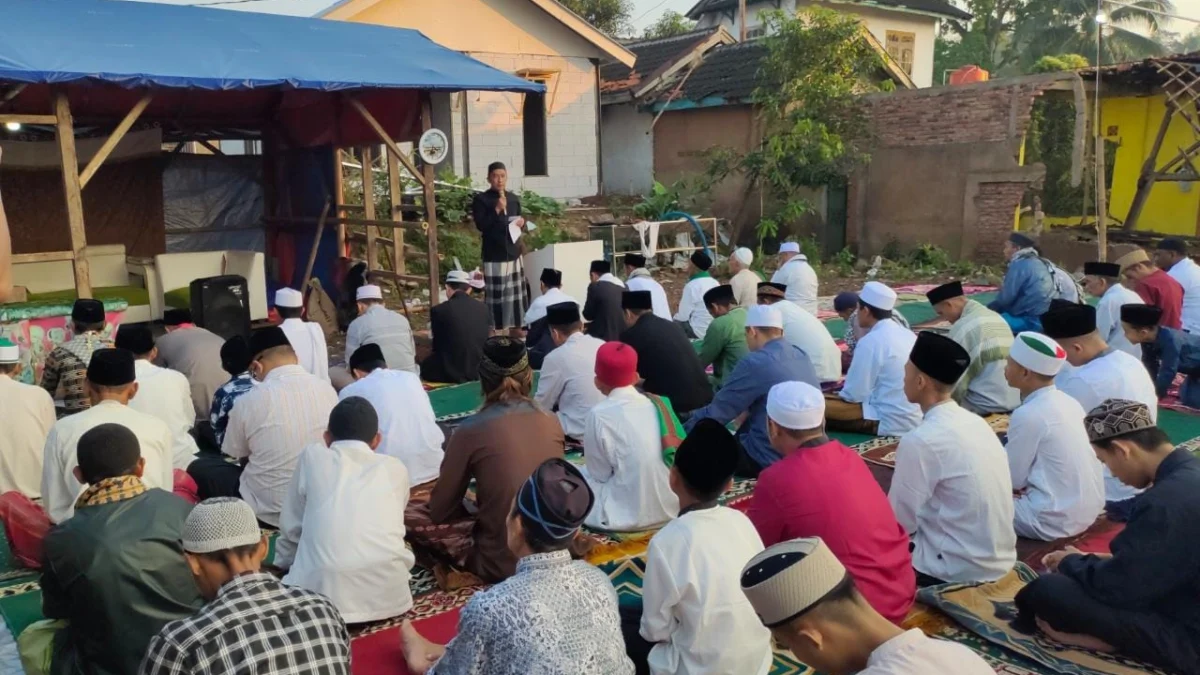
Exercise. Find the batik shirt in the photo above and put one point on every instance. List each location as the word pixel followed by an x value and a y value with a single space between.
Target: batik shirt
pixel 67 365
pixel 554 616
pixel 223 402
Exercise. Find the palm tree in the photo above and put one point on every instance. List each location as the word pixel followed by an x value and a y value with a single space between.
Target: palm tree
pixel 1130 33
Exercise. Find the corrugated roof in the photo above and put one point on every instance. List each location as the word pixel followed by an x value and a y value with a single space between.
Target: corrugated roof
pixel 652 56
pixel 941 7
pixel 729 72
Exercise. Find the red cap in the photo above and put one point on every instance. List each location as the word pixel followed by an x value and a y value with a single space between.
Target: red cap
pixel 616 364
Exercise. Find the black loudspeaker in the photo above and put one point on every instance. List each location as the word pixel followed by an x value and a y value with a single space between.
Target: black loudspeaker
pixel 222 305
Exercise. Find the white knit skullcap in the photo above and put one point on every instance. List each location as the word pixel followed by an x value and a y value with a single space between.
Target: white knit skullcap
pixel 288 297
pixel 369 292
pixel 1038 353
pixel 797 406
pixel 878 296
pixel 744 255
pixel 9 352
pixel 790 578
pixel 764 316
pixel 789 247
pixel 219 524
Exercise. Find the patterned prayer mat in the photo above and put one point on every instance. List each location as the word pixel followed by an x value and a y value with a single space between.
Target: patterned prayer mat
pixel 987 610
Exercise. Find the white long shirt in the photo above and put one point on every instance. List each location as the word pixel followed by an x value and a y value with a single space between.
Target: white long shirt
pixel 691 304
pixel 806 332
pixel 270 425
pixel 952 491
pixel 1114 374
pixel 1052 461
pixel 342 530
pixel 801 282
pixel 26 416
pixel 167 395
pixel 658 297
pixel 537 308
pixel 622 449
pixel 59 487
pixel 406 420
pixel 914 652
pixel 745 287
pixel 693 607
pixel 1108 318
pixel 876 378
pixel 568 382
pixel 308 341
pixel 1187 273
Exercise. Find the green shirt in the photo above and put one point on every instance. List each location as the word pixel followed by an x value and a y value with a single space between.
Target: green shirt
pixel 725 343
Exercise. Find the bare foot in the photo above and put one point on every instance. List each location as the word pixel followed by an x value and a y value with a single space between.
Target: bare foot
pixel 419 654
pixel 1075 639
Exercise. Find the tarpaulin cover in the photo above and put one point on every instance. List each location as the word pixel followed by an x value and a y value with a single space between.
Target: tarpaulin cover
pixel 219 196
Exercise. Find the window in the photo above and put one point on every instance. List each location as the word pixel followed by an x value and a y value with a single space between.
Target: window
pixel 900 48
pixel 756 32
pixel 533 121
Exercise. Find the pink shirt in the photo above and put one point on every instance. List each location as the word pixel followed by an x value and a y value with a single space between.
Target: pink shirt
pixel 826 490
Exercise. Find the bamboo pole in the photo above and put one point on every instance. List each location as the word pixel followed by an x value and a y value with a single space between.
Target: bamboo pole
pixel 10 118
pixel 368 181
pixel 69 161
pixel 394 191
pixel 391 145
pixel 113 140
pixel 312 255
pixel 430 204
pixel 339 196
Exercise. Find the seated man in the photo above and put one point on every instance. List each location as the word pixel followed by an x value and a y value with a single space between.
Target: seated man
pixel 724 342
pixel 821 488
pixel 235 360
pixel 406 418
pixel 623 448
pixel 638 278
pixel 306 337
pixel 342 528
pixel 1140 601
pixel 568 380
pixel 743 279
pixel 538 338
pixel 602 309
pixel 294 630
pixel 1057 483
pixel 693 314
pixel 872 400
pixel 1098 373
pixel 195 352
pixel 1171 256
pixel 1167 352
pixel 111 383
pixel 797 276
pixel 1155 286
pixel 846 306
pixel 1028 285
pixel 805 332
pixel 952 490
pixel 379 325
pixel 694 613
pixel 65 370
pixel 555 616
pixel 162 392
pixel 667 362
pixel 772 360
pixel 1103 280
pixel 26 415
pixel 987 338
pixel 460 326
pixel 115 570
pixel 811 604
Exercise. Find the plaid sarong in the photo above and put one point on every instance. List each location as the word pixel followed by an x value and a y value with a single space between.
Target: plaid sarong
pixel 506 293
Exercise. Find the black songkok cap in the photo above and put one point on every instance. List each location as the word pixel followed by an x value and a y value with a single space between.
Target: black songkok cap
pixel 235 355
pixel 111 368
pixel 719 295
pixel 135 337
pixel 708 456
pixel 562 314
pixel 701 260
pixel 367 354
pixel 1142 316
pixel 1021 240
pixel 770 289
pixel 635 260
pixel 1101 269
pixel 555 500
pixel 1173 244
pixel 601 267
pixel 503 351
pixel 87 311
pixel 1069 321
pixel 945 292
pixel 267 338
pixel 939 357
pixel 175 317
pixel 551 277
pixel 637 300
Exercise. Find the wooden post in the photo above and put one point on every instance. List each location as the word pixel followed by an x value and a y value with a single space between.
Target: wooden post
pixel 111 142
pixel 312 254
pixel 368 179
pixel 339 198
pixel 430 204
pixel 65 130
pixel 1146 179
pixel 397 196
pixel 391 145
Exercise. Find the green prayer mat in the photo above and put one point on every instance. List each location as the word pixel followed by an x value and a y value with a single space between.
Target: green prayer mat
pixel 461 400
pixel 179 298
pixel 135 296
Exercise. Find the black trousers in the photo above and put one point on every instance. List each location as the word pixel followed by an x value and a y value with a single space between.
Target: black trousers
pixel 747 467
pixel 1063 603
pixel 215 476
pixel 636 647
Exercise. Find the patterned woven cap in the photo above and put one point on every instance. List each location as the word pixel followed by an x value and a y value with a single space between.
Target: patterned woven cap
pixel 790 578
pixel 220 524
pixel 1117 417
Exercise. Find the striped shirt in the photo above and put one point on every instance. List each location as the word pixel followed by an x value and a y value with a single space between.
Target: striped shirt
pixel 270 426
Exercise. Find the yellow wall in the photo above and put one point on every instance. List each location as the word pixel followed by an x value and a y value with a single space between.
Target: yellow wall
pixel 1133 122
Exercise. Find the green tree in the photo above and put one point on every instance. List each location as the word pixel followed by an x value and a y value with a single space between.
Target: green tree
pixel 610 16
pixel 670 24
pixel 1051 27
pixel 983 40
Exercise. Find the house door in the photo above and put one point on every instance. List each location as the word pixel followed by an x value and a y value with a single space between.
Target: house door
pixel 834 236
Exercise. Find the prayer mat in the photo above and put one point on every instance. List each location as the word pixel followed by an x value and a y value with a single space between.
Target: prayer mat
pixel 1095 539
pixel 922 289
pixel 461 400
pixel 988 609
pixel 382 653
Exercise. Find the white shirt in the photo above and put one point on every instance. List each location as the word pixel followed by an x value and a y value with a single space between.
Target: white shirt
pixel 537 308
pixel 308 341
pixel 691 304
pixel 167 395
pixel 568 382
pixel 59 487
pixel 658 297
pixel 270 425
pixel 26 416
pixel 1050 457
pixel 1108 318
pixel 953 493
pixel 342 530
pixel 607 276
pixel 806 332
pixel 876 378
pixel 801 282
pixel 745 287
pixel 1187 273
pixel 914 652
pixel 406 420
pixel 622 449
pixel 693 607
pixel 1112 375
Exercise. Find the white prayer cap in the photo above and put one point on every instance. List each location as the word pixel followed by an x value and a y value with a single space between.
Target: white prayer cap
pixel 9 352
pixel 369 292
pixel 220 524
pixel 744 255
pixel 764 316
pixel 789 578
pixel 878 296
pixel 1038 353
pixel 798 406
pixel 288 297
pixel 457 277
pixel 789 247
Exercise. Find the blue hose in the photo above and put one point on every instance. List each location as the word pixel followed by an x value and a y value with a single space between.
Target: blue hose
pixel 675 215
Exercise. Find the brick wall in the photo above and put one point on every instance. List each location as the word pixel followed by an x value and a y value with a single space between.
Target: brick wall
pixel 995 204
pixel 961 114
